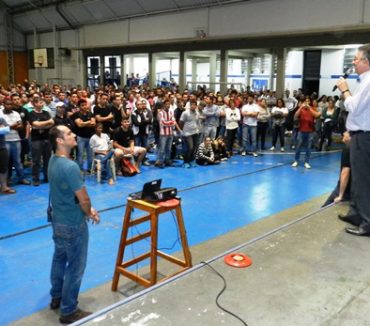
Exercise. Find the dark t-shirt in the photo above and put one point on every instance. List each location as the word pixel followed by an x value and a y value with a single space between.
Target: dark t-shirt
pixel 117 116
pixel 71 108
pixel 24 116
pixel 104 112
pixel 39 134
pixel 84 132
pixel 122 137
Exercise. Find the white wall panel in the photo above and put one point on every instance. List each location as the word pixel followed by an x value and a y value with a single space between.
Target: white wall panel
pixel 170 26
pixel 108 34
pixel 366 13
pixel 331 64
pixel 271 16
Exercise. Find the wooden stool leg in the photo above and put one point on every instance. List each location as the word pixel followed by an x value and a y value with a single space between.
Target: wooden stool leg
pixel 153 248
pixel 183 237
pixel 122 245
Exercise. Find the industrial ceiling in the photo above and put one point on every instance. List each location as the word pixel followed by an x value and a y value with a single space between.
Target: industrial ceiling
pixel 44 15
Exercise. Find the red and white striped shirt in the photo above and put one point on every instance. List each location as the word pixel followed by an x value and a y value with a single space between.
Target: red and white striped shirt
pixel 166 122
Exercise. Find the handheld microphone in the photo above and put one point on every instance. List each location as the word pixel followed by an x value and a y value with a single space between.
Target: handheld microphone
pixel 345 76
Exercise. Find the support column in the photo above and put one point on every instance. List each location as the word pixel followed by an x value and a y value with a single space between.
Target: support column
pixel 152 69
pixel 223 71
pixel 57 57
pixel 212 70
pixel 280 71
pixel 38 71
pixel 10 47
pixel 182 71
pixel 271 76
pixel 194 64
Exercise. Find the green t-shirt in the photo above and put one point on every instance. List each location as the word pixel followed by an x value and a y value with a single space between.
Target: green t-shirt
pixel 64 179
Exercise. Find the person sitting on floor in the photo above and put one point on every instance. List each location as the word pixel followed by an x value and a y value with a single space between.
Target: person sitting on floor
pixel 100 146
pixel 205 155
pixel 220 149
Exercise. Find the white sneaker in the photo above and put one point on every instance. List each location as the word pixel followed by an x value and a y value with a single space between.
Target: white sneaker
pixel 295 164
pixel 244 153
pixel 254 154
pixel 272 148
pixel 307 165
pixel 282 149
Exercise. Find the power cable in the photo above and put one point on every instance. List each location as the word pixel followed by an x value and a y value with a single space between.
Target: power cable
pixel 221 292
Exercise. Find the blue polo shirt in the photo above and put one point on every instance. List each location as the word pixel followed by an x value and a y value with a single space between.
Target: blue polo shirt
pixel 64 179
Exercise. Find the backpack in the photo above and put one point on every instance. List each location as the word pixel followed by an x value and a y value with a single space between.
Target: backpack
pixel 128 169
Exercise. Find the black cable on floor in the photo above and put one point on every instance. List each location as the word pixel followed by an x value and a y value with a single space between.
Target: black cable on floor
pixel 221 292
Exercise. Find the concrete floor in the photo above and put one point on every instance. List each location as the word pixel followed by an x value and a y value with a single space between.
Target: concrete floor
pixel 305 272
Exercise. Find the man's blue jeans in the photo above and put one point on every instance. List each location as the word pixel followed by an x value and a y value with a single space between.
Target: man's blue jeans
pixel 304 141
pixel 105 162
pixel 69 262
pixel 164 153
pixel 83 143
pixel 249 135
pixel 14 151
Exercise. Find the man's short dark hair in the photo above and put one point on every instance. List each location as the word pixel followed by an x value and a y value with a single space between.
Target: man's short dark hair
pixel 54 133
pixel 366 51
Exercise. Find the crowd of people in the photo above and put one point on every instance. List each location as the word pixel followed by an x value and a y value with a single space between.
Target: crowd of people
pixel 111 123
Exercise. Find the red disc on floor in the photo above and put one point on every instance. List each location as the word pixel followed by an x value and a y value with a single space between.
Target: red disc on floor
pixel 238 260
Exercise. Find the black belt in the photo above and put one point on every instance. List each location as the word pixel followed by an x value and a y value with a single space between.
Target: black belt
pixel 359 132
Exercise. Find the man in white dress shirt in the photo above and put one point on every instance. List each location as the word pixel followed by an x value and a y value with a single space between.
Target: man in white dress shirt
pixel 358 125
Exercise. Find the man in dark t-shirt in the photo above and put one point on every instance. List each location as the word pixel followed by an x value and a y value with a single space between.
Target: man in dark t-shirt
pixel 103 114
pixel 40 122
pixel 124 144
pixel 84 128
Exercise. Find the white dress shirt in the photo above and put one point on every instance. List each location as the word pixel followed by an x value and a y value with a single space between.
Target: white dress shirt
pixel 358 105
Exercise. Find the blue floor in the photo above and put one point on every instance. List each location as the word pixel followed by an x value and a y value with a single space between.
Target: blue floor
pixel 216 200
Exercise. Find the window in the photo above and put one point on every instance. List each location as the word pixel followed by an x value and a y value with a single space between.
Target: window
pixel 112 70
pixel 93 72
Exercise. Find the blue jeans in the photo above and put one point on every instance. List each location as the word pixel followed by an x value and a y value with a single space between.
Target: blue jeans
pixel 69 262
pixel 164 153
pixel 105 162
pixel 141 140
pixel 83 143
pixel 304 141
pixel 210 131
pixel 14 151
pixel 249 138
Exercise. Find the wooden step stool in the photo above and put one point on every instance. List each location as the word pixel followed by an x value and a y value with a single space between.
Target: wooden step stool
pixel 154 209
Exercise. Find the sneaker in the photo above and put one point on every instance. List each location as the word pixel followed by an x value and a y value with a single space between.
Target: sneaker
pixel 254 154
pixel 243 153
pixel 24 182
pixel 71 318
pixel 307 165
pixel 295 164
pixel 272 148
pixel 55 303
pixel 282 149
